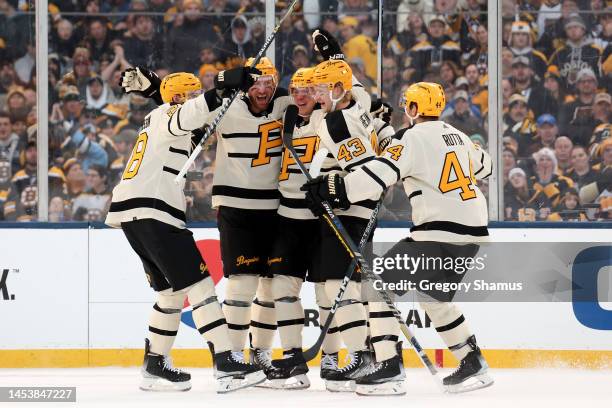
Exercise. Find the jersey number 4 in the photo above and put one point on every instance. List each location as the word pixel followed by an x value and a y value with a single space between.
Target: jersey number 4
pixel 460 182
pixel 136 158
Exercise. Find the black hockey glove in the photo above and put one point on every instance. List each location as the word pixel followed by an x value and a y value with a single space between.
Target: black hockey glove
pixel 327 45
pixel 241 78
pixel 143 82
pixel 328 188
pixel 381 110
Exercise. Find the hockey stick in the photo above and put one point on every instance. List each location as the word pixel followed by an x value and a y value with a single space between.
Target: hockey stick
pixel 227 103
pixel 357 259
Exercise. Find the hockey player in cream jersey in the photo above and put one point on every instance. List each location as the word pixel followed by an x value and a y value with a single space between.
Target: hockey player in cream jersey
pixel 150 208
pixel 439 166
pixel 245 192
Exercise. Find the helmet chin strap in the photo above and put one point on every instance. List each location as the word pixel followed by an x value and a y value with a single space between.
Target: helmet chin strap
pixel 335 101
pixel 411 118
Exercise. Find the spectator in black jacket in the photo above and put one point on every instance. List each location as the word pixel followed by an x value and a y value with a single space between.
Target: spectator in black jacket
pixel 577 53
pixel 427 56
pixel 524 83
pixel 576 117
pixel 143 47
pixel 186 40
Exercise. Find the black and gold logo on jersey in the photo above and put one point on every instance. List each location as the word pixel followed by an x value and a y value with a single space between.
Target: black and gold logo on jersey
pixel 203 268
pixel 242 260
pixel 277 259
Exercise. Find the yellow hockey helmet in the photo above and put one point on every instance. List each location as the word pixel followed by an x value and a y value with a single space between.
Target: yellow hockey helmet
pixel 303 78
pixel 265 66
pixel 428 96
pixel 331 72
pixel 178 83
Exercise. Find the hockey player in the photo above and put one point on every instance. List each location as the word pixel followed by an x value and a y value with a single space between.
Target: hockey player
pixel 445 208
pixel 347 130
pixel 245 192
pixel 150 208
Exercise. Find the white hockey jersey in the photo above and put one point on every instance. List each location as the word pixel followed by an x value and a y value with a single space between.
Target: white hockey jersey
pixel 248 149
pixel 439 166
pixel 147 188
pixel 306 142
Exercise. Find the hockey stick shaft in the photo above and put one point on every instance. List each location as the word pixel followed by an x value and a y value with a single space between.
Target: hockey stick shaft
pixel 228 102
pixel 312 352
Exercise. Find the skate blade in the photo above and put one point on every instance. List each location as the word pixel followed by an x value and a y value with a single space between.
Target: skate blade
pixel 230 384
pixel 340 386
pixel 162 385
pixel 299 382
pixel 473 383
pixel 387 388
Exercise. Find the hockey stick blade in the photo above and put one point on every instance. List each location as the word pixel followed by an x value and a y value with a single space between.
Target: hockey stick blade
pixel 317 161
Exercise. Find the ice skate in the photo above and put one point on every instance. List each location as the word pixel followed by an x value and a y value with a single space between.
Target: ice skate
pixel 289 378
pixel 471 374
pixel 343 380
pixel 385 378
pixel 159 375
pixel 233 373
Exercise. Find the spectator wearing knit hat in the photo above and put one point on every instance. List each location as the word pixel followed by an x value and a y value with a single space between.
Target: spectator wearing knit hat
pixel 525 83
pixel 546 178
pixel 576 117
pixel 577 54
pixel 522 203
pixel 521 45
pixel 554 35
pixel 555 93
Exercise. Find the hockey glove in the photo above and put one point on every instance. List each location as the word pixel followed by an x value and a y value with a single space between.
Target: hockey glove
pixel 381 110
pixel 241 78
pixel 141 81
pixel 327 45
pixel 328 188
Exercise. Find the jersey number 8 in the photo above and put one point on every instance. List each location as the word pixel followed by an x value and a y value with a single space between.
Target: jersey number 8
pixel 136 158
pixel 461 182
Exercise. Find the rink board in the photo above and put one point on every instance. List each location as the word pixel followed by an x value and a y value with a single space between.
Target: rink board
pixel 78 297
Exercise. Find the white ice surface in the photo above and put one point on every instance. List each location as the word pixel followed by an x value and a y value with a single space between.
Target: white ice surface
pixel 516 388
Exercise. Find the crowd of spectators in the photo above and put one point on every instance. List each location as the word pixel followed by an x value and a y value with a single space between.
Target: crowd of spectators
pixel 556 67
